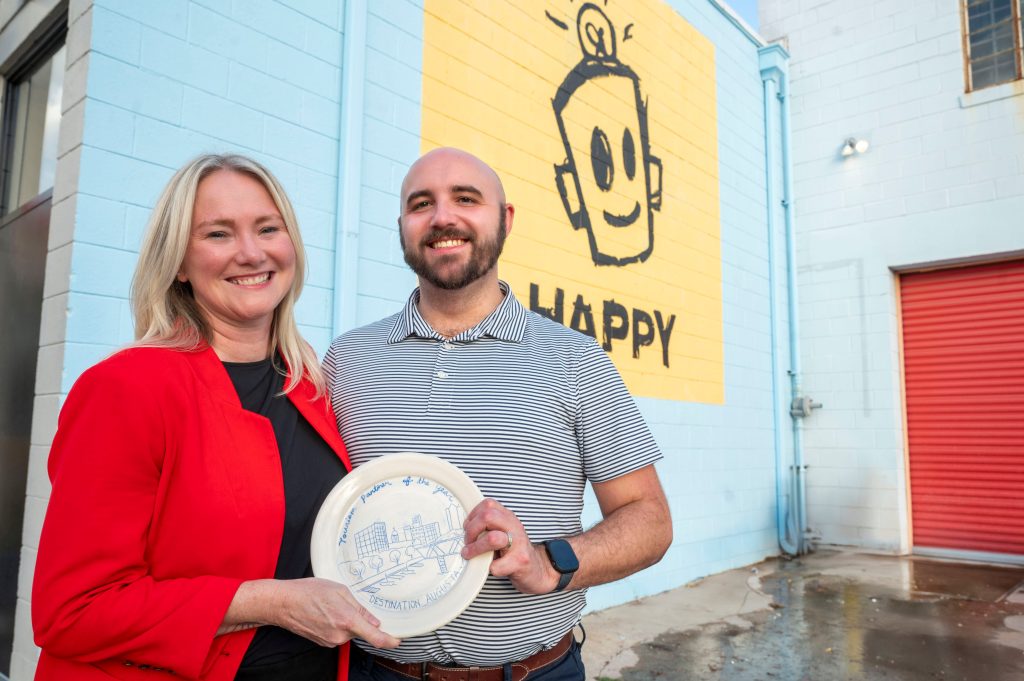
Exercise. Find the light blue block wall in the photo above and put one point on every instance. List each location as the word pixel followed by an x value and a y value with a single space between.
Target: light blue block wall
pixel 391 142
pixel 173 79
pixel 719 467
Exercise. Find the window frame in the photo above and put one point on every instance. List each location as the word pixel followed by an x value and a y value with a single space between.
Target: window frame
pixel 1017 50
pixel 47 44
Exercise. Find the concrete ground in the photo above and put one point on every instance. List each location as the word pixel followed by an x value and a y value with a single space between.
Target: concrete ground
pixel 832 615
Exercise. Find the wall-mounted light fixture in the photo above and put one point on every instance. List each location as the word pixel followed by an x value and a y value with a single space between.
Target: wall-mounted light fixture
pixel 852 146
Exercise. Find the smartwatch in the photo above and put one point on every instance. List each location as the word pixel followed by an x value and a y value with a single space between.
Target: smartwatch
pixel 563 559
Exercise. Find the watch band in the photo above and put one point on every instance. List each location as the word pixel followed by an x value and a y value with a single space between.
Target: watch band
pixel 563 580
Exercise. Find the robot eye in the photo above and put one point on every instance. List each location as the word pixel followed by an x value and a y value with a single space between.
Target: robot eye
pixel 601 159
pixel 628 154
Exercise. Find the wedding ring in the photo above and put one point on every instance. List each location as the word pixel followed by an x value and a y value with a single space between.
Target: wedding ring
pixel 509 544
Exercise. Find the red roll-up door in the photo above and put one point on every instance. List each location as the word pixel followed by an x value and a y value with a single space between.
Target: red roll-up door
pixel 963 348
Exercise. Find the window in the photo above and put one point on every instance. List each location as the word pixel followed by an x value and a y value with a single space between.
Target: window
pixel 992 42
pixel 31 121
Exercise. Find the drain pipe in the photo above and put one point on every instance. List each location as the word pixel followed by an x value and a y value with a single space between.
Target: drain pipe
pixel 773 61
pixel 350 160
pixel 801 405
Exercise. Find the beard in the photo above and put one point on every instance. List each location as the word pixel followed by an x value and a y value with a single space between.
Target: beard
pixel 482 259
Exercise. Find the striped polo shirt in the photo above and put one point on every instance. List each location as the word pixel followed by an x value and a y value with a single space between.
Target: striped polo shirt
pixel 526 407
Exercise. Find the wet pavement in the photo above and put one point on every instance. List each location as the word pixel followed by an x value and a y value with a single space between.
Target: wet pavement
pixel 831 615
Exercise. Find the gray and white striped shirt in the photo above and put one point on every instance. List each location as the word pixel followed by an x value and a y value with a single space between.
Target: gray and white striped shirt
pixel 528 408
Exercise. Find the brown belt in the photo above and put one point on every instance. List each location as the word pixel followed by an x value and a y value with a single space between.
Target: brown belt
pixel 429 671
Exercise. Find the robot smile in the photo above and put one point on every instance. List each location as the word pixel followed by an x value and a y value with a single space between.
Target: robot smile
pixel 623 220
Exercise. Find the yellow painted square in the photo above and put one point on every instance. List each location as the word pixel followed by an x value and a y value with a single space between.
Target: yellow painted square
pixel 638 95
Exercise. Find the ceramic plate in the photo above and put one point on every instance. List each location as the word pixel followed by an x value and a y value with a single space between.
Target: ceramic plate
pixel 391 530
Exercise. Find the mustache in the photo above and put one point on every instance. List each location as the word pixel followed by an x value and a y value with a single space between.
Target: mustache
pixel 443 234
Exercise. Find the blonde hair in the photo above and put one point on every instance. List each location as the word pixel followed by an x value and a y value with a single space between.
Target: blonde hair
pixel 165 309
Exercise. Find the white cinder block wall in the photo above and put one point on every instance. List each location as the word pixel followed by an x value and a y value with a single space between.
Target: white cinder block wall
pixel 942 181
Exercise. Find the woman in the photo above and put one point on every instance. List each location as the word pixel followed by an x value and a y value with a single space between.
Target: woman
pixel 188 469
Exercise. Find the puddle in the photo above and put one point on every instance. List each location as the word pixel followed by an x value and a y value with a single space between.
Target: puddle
pixel 942 621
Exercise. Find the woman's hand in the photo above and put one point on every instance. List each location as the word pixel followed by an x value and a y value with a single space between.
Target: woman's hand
pixel 323 611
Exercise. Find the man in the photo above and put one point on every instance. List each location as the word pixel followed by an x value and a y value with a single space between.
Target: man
pixel 529 409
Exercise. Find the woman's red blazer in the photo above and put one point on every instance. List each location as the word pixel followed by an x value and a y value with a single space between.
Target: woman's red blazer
pixel 167 495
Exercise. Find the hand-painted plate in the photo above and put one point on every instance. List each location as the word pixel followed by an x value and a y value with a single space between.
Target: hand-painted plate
pixel 391 531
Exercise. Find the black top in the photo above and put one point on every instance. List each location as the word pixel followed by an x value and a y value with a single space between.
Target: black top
pixel 310 469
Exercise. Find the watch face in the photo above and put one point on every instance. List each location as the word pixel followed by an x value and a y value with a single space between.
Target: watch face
pixel 563 558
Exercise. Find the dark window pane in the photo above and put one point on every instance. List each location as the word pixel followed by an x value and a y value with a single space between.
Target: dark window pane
pixel 983 75
pixel 32 132
pixel 987 12
pixel 1006 67
pixel 989 41
pixel 994 70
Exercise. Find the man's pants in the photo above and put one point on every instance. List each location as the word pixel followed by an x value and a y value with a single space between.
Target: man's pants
pixel 569 668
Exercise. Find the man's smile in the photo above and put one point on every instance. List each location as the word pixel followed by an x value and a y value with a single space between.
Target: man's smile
pixel 448 243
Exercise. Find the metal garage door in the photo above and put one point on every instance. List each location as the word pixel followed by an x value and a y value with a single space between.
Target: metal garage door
pixel 963 343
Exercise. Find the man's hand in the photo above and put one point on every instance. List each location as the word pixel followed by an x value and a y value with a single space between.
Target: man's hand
pixel 490 527
pixel 634 534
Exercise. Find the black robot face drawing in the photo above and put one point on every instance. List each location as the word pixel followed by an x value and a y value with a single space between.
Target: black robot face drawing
pixel 613 191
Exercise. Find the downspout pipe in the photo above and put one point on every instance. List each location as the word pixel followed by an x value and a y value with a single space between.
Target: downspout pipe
pixel 350 166
pixel 795 369
pixel 774 61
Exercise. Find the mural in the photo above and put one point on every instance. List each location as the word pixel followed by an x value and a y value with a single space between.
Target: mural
pixel 600 118
pixel 587 193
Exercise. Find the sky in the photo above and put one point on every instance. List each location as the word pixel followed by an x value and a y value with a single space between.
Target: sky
pixel 746 9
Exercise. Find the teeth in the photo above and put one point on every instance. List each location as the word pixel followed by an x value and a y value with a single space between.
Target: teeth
pixel 448 243
pixel 251 281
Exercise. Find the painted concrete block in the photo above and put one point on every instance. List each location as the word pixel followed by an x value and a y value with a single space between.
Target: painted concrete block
pixel 320 267
pixel 219 33
pixel 371 308
pixel 274 19
pixel 77 41
pixel 102 271
pixel 169 16
pixel 324 42
pixel 380 103
pixel 294 65
pixel 170 146
pixel 130 88
pixel 326 12
pixel 58 271
pixel 319 114
pixel 183 62
pixel 217 117
pixel 75 78
pixel 315 188
pixel 390 282
pixel 135 222
pixel 300 146
pixel 109 127
pixel 314 307
pixel 80 356
pixel 95 319
pixel 391 143
pixel 62 222
pixel 317 226
pixel 121 178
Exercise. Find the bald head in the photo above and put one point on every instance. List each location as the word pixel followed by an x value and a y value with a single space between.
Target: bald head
pixel 453 168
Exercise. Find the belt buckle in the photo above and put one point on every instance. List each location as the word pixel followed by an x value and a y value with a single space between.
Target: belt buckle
pixel 425 670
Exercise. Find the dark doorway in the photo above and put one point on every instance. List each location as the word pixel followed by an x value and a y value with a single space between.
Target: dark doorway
pixel 23 236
